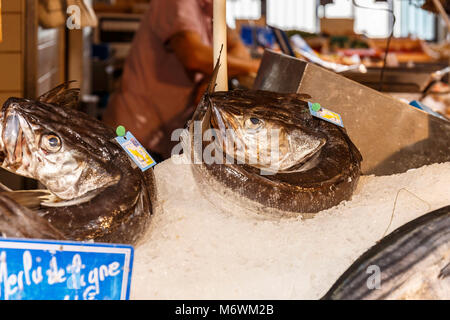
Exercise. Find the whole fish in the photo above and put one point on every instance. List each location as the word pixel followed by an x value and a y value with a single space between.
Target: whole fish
pixel 270 151
pixel 413 262
pixel 95 191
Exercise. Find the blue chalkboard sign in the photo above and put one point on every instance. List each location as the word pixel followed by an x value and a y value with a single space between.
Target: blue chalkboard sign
pixel 62 270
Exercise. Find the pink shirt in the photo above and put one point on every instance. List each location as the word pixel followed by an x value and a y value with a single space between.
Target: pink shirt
pixel 156 89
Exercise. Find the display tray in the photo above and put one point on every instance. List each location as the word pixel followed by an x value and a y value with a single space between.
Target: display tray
pixel 398 79
pixel 201 248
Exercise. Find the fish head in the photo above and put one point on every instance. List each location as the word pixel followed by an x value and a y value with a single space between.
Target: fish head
pixel 62 148
pixel 265 131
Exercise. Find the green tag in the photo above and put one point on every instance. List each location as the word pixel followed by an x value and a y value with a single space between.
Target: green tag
pixel 120 131
pixel 316 106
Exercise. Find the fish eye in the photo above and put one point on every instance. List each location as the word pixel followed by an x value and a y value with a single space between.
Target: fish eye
pixel 253 123
pixel 51 142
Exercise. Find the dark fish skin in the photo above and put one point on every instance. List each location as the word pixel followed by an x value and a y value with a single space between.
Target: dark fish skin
pixel 62 96
pixel 118 213
pixel 17 221
pixel 415 249
pixel 331 181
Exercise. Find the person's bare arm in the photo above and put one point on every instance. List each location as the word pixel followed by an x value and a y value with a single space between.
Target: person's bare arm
pixel 235 46
pixel 196 56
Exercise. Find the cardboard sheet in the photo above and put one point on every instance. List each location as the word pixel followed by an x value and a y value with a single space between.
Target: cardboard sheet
pixel 1 37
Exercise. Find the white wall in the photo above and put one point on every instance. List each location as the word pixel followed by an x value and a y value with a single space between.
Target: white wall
pixel 301 15
pixel 292 14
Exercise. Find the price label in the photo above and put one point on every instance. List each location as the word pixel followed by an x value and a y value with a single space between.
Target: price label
pixel 62 270
pixel 136 151
pixel 320 112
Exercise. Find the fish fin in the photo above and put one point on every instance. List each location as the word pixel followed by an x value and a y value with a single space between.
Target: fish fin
pixel 17 221
pixel 445 272
pixel 55 202
pixel 298 96
pixel 303 96
pixel 212 83
pixel 206 100
pixel 62 96
pixel 30 199
pixel 4 188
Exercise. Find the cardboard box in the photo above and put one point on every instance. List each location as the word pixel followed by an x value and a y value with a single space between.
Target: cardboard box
pixel 337 27
pixel 11 32
pixel 1 38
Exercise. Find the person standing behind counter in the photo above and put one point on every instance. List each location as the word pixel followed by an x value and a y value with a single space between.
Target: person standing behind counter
pixel 166 72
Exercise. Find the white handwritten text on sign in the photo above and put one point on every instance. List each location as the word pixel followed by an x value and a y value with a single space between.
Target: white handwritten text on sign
pixel 56 270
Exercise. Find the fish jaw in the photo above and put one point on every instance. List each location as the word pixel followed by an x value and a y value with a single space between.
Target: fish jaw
pixel 275 148
pixel 280 152
pixel 15 147
pixel 304 148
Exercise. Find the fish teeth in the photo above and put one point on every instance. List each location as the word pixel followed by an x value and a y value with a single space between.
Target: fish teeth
pixel 49 198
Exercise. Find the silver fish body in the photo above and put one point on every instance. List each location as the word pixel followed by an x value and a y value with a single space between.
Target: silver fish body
pixel 413 262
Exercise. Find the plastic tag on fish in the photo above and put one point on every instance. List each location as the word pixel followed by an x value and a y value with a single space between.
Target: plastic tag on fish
pixel 320 112
pixel 62 270
pixel 425 108
pixel 136 151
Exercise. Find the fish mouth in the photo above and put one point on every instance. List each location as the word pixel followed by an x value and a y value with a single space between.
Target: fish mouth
pixel 308 159
pixel 14 148
pixel 287 150
pixel 12 138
